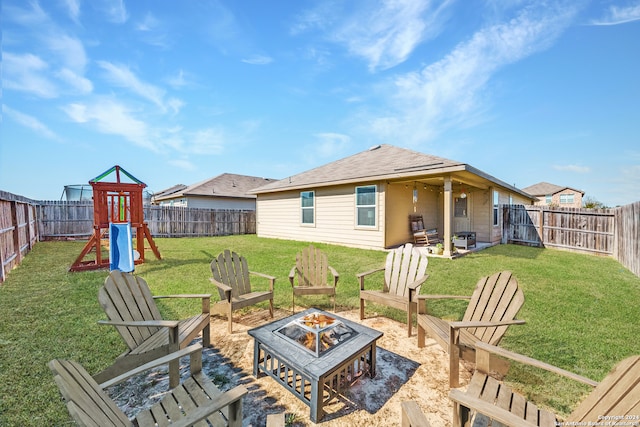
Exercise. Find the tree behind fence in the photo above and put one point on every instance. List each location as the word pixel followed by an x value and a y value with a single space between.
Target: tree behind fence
pixel 64 220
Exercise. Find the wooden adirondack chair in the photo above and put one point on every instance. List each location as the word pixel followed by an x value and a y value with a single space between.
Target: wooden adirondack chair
pixel 231 277
pixel 615 400
pixel 312 269
pixel 127 301
pixel 492 308
pixel 404 273
pixel 193 401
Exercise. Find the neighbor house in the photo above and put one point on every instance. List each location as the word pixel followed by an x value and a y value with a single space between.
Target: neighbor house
pixel 555 195
pixel 225 191
pixel 365 200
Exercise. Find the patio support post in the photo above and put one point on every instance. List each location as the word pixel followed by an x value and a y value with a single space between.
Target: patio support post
pixel 448 215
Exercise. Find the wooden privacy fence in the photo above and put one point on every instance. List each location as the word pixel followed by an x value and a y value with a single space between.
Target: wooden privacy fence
pixel 61 220
pixel 613 232
pixel 18 230
pixel 171 221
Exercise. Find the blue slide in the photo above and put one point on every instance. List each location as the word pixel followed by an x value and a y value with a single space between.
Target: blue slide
pixel 121 247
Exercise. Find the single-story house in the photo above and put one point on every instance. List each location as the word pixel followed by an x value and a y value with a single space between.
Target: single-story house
pixel 365 200
pixel 547 194
pixel 225 191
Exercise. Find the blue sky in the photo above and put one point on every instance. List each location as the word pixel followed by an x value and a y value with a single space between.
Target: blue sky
pixel 178 92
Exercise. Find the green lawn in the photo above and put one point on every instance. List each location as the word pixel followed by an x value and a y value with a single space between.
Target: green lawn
pixel 581 311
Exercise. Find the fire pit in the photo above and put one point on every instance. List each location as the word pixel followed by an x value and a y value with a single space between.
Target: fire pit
pixel 315 355
pixel 317 332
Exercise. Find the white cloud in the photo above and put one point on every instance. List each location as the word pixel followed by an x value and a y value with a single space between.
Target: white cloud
pixel 384 33
pixel 68 50
pixel 122 76
pixel 114 10
pixel 148 23
pixel 178 80
pixel 258 60
pixel 386 36
pixel 73 8
pixel 79 83
pixel 29 122
pixel 620 15
pixel 330 144
pixel 26 73
pixel 113 118
pixel 452 91
pixel 207 141
pixel 572 168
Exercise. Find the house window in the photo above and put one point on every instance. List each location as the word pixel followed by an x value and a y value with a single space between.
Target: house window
pixel 496 202
pixel 549 199
pixel 460 207
pixel 307 206
pixel 366 206
pixel 566 199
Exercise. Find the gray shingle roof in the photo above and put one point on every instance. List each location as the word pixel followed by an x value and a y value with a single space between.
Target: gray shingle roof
pixel 379 162
pixel 545 188
pixel 224 185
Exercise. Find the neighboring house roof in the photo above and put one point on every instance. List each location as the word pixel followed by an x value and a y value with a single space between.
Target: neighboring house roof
pixel 545 188
pixel 224 185
pixel 170 190
pixel 378 162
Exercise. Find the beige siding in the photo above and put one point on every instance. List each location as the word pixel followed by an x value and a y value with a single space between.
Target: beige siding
pixel 278 216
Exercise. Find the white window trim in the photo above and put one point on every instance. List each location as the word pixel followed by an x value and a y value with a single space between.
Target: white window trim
pixel 312 208
pixel 375 208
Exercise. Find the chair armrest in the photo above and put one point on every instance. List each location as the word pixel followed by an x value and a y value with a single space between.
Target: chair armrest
pixel 335 275
pixel 484 349
pixel 361 276
pixel 292 275
pixel 224 288
pixel 366 273
pixel 141 323
pixel 217 403
pixel 418 282
pixel 427 296
pixel 183 296
pixel 272 279
pixel 187 351
pixel 478 324
pixel 266 276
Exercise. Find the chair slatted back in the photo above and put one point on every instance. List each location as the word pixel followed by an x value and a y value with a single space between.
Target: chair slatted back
pixel 232 270
pixel 312 267
pixel 496 298
pixel 87 403
pixel 618 395
pixel 127 297
pixel 416 223
pixel 404 266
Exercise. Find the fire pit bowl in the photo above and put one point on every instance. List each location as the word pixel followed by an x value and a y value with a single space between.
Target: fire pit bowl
pixel 317 332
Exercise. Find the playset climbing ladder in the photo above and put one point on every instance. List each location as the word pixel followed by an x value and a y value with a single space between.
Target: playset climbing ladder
pixel 115 202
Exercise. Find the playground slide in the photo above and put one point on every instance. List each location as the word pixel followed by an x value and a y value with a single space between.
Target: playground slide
pixel 121 247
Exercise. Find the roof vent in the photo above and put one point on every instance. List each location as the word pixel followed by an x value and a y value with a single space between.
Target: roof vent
pixel 375 147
